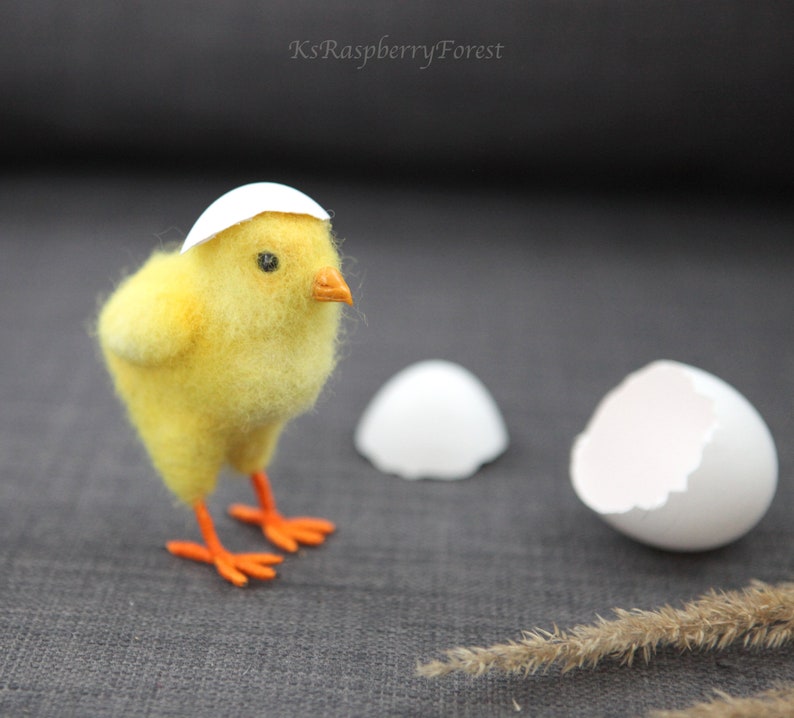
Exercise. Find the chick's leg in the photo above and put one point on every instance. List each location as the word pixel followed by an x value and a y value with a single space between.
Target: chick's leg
pixel 188 453
pixel 249 451
pixel 234 567
pixel 286 533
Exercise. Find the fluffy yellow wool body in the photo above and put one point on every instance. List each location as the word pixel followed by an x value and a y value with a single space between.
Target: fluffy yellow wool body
pixel 212 355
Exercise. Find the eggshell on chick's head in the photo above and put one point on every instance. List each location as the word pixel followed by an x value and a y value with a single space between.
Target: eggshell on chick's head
pixel 676 458
pixel 432 420
pixel 244 203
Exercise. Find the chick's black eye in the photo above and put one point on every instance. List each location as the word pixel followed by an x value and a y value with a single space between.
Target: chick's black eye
pixel 267 262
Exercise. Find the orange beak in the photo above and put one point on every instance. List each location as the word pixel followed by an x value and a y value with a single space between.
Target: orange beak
pixel 330 286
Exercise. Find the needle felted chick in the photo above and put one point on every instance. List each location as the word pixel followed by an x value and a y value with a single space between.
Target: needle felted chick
pixel 214 348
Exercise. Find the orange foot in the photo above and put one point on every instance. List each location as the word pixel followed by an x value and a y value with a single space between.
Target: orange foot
pixel 234 567
pixel 286 533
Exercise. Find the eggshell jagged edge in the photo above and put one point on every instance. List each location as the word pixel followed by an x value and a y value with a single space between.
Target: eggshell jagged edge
pixel 724 494
pixel 244 203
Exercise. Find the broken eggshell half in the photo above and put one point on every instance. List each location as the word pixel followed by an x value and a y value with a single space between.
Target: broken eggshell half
pixel 432 420
pixel 676 458
pixel 244 203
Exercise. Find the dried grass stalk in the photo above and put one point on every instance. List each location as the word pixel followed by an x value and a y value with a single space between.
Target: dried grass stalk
pixel 775 703
pixel 760 615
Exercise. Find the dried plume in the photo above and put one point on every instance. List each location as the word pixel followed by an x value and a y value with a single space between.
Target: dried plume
pixel 775 703
pixel 760 615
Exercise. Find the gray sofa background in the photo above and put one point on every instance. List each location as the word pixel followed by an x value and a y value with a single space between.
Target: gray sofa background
pixel 591 89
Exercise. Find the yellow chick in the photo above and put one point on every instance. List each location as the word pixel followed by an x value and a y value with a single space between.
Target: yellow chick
pixel 214 348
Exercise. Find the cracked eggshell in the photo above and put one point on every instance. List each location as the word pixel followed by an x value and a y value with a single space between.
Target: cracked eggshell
pixel 243 203
pixel 676 458
pixel 432 420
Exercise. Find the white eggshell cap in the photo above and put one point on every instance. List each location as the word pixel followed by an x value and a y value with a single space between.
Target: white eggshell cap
pixel 244 203
pixel 432 420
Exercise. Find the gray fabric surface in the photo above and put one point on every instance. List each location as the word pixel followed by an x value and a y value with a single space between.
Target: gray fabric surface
pixel 550 299
pixel 590 87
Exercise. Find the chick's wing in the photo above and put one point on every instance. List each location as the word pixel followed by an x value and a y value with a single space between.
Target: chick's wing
pixel 152 318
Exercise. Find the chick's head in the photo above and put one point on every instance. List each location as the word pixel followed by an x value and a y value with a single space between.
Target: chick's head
pixel 273 271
